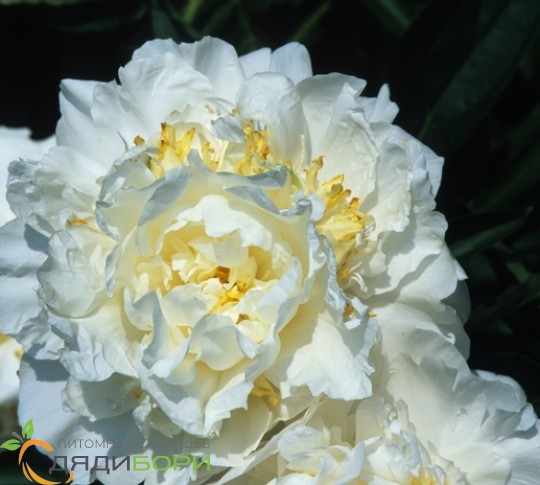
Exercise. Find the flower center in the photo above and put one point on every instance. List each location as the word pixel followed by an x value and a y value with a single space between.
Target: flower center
pixel 220 270
pixel 342 222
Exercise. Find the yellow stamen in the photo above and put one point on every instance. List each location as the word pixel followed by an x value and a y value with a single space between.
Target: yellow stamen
pixel 262 387
pixel 312 183
pixel 348 311
pixel 425 478
pixel 138 140
pixel 257 152
pixel 73 220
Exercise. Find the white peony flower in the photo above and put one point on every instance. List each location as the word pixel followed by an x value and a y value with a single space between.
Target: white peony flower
pixel 435 423
pixel 221 236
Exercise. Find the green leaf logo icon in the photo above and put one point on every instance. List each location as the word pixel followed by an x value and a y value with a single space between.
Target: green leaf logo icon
pixel 28 430
pixel 11 445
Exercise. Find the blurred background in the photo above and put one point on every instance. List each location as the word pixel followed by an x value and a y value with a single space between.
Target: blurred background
pixel 465 74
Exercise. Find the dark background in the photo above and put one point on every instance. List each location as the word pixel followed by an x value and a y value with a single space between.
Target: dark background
pixel 465 74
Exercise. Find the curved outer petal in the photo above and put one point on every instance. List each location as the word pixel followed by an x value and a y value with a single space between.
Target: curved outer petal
pixel 22 251
pixel 292 60
pixel 272 99
pixel 420 303
pixel 76 128
pixel 482 423
pixel 46 194
pixel 338 129
pixel 15 144
pixel 429 421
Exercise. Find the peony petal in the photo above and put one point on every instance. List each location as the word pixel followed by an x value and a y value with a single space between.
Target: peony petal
pixel 380 109
pixel 256 61
pixel 77 258
pixel 16 144
pixel 76 127
pixel 22 251
pixel 219 62
pixel 293 61
pixel 339 131
pixel 101 400
pixel 88 354
pixel 271 99
pixel 484 418
pixel 65 178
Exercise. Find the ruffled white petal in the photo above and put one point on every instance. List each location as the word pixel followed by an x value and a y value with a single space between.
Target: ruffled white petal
pixel 16 144
pixel 272 100
pixel 22 251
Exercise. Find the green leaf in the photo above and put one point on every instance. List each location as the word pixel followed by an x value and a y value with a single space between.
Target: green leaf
pixel 529 242
pixel 454 62
pixel 508 301
pixel 480 231
pixel 28 430
pixel 11 445
pixel 529 63
pixel 524 160
pixel 163 26
pixel 218 18
pixel 395 15
pixel 192 10
pixel 525 134
pixel 249 39
pixel 93 15
pixel 311 22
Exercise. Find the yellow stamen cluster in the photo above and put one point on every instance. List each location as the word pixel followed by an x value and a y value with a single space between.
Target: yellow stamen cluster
pixel 174 145
pixel 257 152
pixel 231 292
pixel 425 478
pixel 342 222
pixel 173 150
